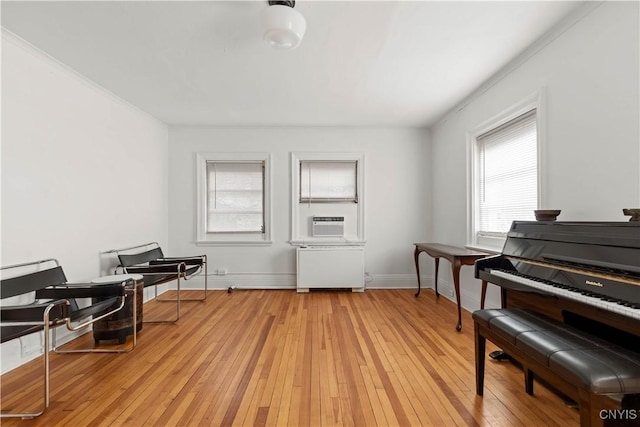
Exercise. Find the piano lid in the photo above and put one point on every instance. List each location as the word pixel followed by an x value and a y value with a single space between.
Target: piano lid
pixel 611 248
pixel 596 258
pixel 619 234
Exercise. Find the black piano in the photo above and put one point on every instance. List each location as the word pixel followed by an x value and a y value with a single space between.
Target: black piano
pixel 585 275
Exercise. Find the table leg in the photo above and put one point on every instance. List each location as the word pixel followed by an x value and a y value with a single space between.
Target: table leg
pixel 437 259
pixel 455 269
pixel 416 253
pixel 481 348
pixel 484 294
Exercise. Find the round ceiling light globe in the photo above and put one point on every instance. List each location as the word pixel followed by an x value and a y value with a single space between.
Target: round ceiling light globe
pixel 283 27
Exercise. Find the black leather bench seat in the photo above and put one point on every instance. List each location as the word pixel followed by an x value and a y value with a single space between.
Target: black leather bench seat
pixel 574 360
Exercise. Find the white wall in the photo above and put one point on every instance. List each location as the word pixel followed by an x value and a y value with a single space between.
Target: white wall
pixel 82 171
pixel 396 193
pixel 592 160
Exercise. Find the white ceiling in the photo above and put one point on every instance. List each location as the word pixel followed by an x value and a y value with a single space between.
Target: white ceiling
pixel 361 63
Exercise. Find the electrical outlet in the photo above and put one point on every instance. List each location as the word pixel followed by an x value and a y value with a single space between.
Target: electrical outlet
pixel 222 271
pixel 450 292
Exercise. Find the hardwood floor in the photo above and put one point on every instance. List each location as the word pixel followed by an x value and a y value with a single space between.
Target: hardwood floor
pixel 278 358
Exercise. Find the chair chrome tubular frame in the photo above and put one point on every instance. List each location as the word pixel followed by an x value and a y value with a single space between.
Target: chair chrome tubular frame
pixel 176 300
pixel 206 276
pixel 27 264
pixel 87 323
pixel 147 271
pixel 144 245
pixel 46 323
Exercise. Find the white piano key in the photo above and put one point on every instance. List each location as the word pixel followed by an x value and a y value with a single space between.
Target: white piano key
pixel 576 296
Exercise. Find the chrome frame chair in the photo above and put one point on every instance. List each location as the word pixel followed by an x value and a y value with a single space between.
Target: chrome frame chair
pixel 52 304
pixel 157 269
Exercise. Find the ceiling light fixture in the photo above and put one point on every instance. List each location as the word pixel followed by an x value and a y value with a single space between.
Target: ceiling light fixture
pixel 283 27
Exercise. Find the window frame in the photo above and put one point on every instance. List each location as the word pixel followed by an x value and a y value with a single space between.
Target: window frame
pixel 495 241
pixel 231 238
pixel 357 238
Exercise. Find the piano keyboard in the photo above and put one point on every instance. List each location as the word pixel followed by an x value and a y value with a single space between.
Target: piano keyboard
pixel 601 301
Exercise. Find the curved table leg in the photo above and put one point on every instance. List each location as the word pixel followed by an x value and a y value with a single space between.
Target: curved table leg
pixel 455 269
pixel 416 253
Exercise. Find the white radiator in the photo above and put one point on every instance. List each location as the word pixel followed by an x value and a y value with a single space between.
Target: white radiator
pixel 327 226
pixel 330 267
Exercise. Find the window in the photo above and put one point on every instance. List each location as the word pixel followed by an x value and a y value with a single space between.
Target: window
pixel 233 198
pixel 505 173
pixel 328 181
pixel 327 184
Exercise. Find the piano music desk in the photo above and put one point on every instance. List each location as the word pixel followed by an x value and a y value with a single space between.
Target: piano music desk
pixel 458 257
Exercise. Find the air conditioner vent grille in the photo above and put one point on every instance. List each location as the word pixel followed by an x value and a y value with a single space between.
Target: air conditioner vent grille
pixel 327 226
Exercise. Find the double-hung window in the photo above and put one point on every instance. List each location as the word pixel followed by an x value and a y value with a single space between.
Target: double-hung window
pixel 505 177
pixel 233 198
pixel 329 181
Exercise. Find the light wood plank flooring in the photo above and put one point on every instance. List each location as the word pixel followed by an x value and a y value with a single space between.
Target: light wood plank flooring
pixel 278 358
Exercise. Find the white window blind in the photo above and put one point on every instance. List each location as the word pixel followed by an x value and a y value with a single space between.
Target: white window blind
pixel 508 177
pixel 235 197
pixel 328 181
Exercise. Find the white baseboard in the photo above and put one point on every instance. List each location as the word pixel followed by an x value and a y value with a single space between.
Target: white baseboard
pixel 396 281
pixel 288 281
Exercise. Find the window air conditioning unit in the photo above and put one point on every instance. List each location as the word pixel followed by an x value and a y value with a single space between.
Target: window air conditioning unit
pixel 327 226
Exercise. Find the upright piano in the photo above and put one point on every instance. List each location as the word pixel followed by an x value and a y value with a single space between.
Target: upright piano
pixel 585 275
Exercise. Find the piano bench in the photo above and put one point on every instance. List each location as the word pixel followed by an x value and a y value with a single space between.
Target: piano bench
pixel 586 368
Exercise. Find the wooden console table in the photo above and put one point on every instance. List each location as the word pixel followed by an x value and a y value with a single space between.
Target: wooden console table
pixel 458 257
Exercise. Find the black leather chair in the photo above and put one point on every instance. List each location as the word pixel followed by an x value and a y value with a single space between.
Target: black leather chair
pixel 157 269
pixel 37 298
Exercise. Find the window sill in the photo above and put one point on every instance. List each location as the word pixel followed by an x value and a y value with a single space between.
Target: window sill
pixel 233 242
pixel 324 242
